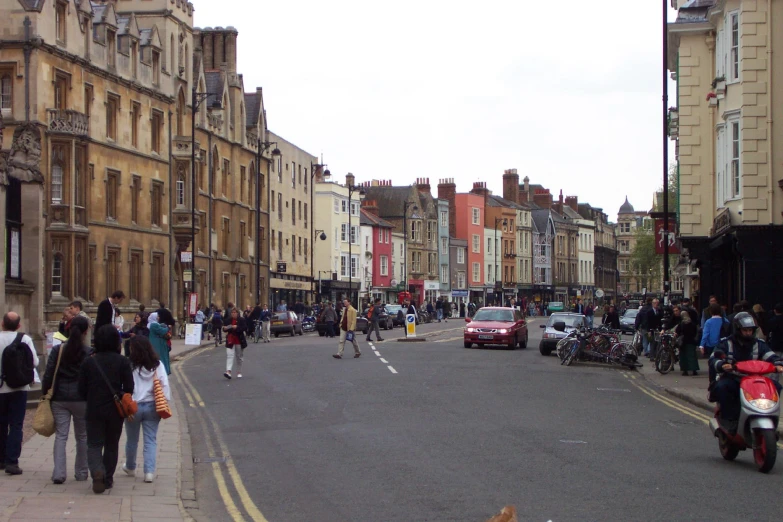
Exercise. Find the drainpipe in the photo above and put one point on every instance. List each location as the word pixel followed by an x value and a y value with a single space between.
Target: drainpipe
pixel 211 217
pixel 770 104
pixel 172 243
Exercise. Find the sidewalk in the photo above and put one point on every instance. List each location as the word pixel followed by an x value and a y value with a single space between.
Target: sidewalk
pixel 33 496
pixel 689 389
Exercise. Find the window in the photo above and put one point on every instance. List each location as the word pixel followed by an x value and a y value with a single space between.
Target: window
pixel 735 159
pixel 158 271
pixel 112 187
pixel 157 131
pixel 416 262
pixel 59 168
pixel 432 264
pixel 112 270
pixel 6 93
pixel 293 211
pixel 444 219
pixel 293 247
pixel 61 91
pixel 344 265
pixel 242 181
pixel 135 276
pixel 343 232
pixel 625 228
pixel 157 204
pixel 384 265
pixel 416 230
pixel 135 189
pixel 60 21
pixel 279 206
pixel 386 235
pixel 224 179
pixel 461 280
pixel 134 116
pixel 380 235
pixel 226 236
pixel 306 214
pixel 57 274
pixel 431 232
pixel 279 244
pixel 293 174
pixel 354 208
pixel 476 215
pixel 306 250
pixel 242 239
pixel 354 235
pixel 111 50
pixel 476 244
pixel 476 272
pixel 444 274
pixel 489 244
pixel 134 58
pixel 180 192
pixel 336 205
pixel 461 256
pixel 155 68
pixel 273 201
pixel 734 52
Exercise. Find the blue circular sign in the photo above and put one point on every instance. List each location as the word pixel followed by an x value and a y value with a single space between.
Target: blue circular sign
pixel 410 318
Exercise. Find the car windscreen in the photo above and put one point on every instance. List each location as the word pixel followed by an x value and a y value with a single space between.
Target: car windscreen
pixel 494 315
pixel 571 321
pixel 281 316
pixel 631 313
pixel 393 309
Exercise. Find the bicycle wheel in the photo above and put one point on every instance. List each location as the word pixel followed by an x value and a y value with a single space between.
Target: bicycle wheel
pixel 572 353
pixel 664 361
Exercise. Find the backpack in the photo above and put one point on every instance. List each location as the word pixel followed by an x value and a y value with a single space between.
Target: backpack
pixel 725 328
pixel 644 319
pixel 17 368
pixel 370 311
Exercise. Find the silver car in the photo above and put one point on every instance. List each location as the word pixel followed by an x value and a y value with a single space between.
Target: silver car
pixel 551 336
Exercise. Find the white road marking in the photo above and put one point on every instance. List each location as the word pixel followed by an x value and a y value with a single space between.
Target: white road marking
pixel 573 442
pixel 384 361
pixel 376 353
pixel 392 369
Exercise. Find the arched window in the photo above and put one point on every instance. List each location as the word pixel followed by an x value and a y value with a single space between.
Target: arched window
pixel 181 114
pixel 57 274
pixel 6 92
pixel 251 178
pixel 173 52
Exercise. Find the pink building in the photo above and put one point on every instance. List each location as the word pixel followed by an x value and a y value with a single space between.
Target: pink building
pixel 381 248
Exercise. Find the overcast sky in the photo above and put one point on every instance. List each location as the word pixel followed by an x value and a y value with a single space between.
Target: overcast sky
pixel 567 92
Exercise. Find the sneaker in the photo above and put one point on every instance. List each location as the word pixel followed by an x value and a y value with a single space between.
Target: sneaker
pixel 368 340
pixel 379 340
pixel 13 469
pixel 357 355
pixel 227 375
pixel 337 356
pixel 129 472
pixel 98 484
pixel 58 481
pixel 149 477
pixel 239 376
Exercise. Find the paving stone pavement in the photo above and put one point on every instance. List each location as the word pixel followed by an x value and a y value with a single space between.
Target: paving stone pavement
pixel 33 496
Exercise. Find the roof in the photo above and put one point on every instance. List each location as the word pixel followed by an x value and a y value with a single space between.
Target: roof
pixel 252 106
pixel 390 200
pixel 626 207
pixel 215 84
pixel 497 201
pixel 372 220
pixel 570 213
pixel 694 11
pixel 540 218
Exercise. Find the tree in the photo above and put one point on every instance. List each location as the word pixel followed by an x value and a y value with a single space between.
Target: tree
pixel 674 193
pixel 645 263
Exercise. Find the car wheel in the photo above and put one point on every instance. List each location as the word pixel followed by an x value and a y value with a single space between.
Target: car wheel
pixel 467 344
pixel 293 331
pixel 277 334
pixel 513 344
pixel 523 343
pixel 544 351
pixel 301 330
pixel 321 333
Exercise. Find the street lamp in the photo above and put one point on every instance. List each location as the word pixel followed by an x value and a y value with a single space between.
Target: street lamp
pixel 505 223
pixel 665 152
pixel 196 99
pixel 314 168
pixel 261 147
pixel 405 206
pixel 351 189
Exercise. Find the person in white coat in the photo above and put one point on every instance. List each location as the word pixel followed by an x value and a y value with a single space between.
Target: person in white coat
pixel 146 368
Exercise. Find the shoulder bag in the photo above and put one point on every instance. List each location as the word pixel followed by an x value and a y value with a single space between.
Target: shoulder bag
pixel 161 404
pixel 126 406
pixel 43 420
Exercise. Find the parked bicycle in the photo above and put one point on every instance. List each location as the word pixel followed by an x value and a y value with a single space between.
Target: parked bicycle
pixel 668 354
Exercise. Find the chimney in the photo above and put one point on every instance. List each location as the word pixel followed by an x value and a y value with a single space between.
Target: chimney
pixel 231 49
pixel 542 198
pixel 573 202
pixel 423 185
pixel 219 56
pixel 447 190
pixel 511 185
pixel 208 47
pixel 558 205
pixel 480 189
pixel 370 206
pixel 350 180
pixel 524 196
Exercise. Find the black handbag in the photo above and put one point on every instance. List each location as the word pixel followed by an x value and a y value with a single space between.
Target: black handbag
pixel 243 341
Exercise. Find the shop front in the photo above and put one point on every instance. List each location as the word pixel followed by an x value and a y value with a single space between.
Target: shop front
pixel 477 295
pixel 416 289
pixel 289 289
pixel 509 294
pixel 561 294
pixel 431 290
pixel 332 290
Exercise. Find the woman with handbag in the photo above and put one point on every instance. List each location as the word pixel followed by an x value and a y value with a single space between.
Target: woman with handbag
pixel 159 337
pixel 687 340
pixel 104 380
pixel 148 374
pixel 62 379
pixel 236 343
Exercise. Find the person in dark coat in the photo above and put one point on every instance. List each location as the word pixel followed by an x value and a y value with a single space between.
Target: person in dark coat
pixel 165 317
pixel 775 329
pixel 235 329
pixel 687 328
pixel 107 309
pixel 612 318
pixel 104 424
pixel 66 402
pixel 139 328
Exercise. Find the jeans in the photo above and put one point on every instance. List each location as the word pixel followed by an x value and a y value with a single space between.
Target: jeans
pixel 103 442
pixel 12 409
pixel 146 419
pixel 63 411
pixel 645 341
pixel 234 357
pixel 373 326
pixel 440 314
pixel 589 320
pixel 342 343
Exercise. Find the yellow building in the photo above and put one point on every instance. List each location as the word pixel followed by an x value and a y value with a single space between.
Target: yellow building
pixel 728 62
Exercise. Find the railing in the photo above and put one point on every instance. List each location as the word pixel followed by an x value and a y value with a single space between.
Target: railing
pixel 67 121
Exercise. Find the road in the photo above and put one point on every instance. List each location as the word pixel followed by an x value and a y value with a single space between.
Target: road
pixel 433 431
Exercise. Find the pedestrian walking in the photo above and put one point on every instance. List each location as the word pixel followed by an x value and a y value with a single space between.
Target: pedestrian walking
pixel 329 316
pixel 439 308
pixel 612 318
pixel 236 342
pixel 217 326
pixel 375 310
pixel 347 330
pixel 66 402
pixel 160 334
pixel 146 367
pixel 590 314
pixel 687 335
pixel 266 323
pixel 104 424
pixel 711 334
pixel 18 373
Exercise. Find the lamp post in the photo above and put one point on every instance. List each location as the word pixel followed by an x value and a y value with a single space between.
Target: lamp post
pixel 351 189
pixel 262 147
pixel 197 98
pixel 314 168
pixel 405 206
pixel 665 153
pixel 505 223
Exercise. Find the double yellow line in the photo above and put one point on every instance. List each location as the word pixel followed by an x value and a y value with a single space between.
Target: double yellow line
pixel 698 415
pixel 205 420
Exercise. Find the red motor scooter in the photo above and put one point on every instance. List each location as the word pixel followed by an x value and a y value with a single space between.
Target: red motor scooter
pixel 759 415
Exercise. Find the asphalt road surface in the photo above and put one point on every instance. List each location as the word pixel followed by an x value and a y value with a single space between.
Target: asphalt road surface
pixel 436 432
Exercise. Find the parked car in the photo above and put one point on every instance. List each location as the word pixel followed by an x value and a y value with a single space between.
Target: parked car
pixel 551 336
pixel 628 320
pixel 397 314
pixel 496 325
pixel 362 325
pixel 385 321
pixel 285 322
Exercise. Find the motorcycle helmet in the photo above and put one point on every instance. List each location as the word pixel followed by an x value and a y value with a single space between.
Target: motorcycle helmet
pixel 743 320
